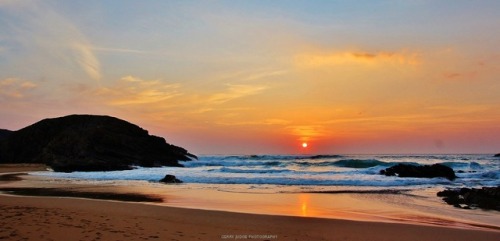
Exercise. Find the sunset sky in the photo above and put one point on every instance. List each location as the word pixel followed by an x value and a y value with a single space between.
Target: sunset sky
pixel 254 77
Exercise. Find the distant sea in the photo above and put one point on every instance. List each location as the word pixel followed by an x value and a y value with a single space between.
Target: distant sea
pixel 278 173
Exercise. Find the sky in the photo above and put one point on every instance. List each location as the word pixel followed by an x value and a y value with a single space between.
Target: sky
pixel 262 77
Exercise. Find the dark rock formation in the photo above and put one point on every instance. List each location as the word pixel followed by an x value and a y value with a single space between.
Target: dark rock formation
pixel 4 134
pixel 467 198
pixel 428 171
pixel 497 155
pixel 170 179
pixel 89 143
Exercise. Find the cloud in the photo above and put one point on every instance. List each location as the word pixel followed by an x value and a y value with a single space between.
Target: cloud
pixel 49 38
pixel 87 59
pixel 465 75
pixel 130 91
pixel 308 132
pixel 235 92
pixel 131 51
pixel 120 50
pixel 312 60
pixel 265 122
pixel 134 94
pixel 276 122
pixel 15 88
pixel 264 74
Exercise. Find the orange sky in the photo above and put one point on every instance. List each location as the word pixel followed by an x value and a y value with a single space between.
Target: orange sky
pixel 256 77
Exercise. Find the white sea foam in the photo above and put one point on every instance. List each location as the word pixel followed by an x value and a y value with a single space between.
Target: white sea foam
pixel 332 170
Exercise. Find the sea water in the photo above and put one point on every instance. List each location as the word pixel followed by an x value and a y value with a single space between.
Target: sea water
pixel 314 173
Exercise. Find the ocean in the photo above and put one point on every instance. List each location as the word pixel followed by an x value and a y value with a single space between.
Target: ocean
pixel 325 186
pixel 277 173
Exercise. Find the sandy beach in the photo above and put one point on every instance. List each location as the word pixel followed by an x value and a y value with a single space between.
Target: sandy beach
pixel 63 218
pixel 40 218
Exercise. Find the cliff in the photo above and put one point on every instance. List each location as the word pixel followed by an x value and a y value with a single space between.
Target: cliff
pixel 88 143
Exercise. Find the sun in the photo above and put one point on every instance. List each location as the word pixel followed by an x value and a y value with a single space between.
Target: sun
pixel 304 144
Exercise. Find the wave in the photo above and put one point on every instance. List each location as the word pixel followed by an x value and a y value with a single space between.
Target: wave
pixel 491 174
pixel 257 171
pixel 353 170
pixel 481 175
pixel 470 165
pixel 255 160
pixel 278 171
pixel 356 163
pixel 318 181
pixel 350 163
pixel 231 163
pixel 275 157
pixel 325 156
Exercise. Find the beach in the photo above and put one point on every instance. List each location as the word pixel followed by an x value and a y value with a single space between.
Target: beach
pixel 70 218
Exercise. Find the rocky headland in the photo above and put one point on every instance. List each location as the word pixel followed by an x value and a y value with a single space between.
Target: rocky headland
pixel 4 133
pixel 88 143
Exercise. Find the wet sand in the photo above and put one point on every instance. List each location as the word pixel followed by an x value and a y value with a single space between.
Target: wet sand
pixel 63 218
pixel 16 168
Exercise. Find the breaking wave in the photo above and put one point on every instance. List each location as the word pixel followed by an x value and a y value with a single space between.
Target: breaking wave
pixel 313 170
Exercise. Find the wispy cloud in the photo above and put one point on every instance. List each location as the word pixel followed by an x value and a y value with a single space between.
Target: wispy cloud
pixel 308 132
pixel 127 51
pixel 440 116
pixel 87 59
pixel 357 57
pixel 266 122
pixel 130 91
pixel 264 74
pixel 15 88
pixel 234 92
pixel 50 37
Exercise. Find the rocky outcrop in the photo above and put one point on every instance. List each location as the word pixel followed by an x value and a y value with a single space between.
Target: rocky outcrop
pixel 89 143
pixel 497 155
pixel 4 133
pixel 170 179
pixel 467 198
pixel 427 171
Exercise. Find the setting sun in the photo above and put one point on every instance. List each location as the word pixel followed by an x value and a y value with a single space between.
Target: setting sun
pixel 304 144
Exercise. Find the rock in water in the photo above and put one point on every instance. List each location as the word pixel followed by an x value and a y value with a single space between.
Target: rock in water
pixel 484 198
pixel 170 179
pixel 428 171
pixel 89 143
pixel 497 155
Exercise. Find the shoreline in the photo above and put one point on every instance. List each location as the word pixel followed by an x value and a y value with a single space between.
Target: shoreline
pixel 90 219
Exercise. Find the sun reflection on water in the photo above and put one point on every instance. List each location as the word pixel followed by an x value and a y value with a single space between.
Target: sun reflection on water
pixel 303 200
